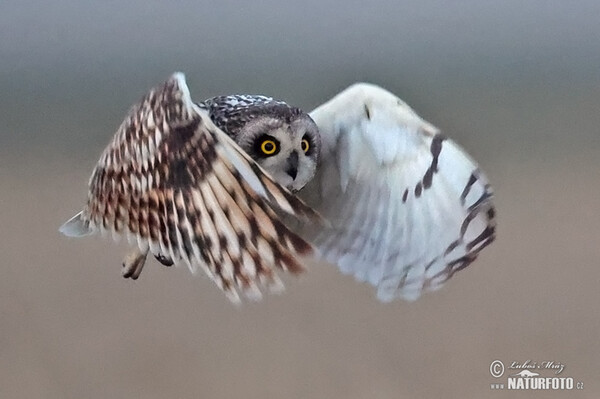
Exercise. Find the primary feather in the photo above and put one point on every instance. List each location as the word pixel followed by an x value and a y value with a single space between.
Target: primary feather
pixel 408 208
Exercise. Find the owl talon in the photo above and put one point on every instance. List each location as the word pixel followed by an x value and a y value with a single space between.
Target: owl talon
pixel 165 260
pixel 133 263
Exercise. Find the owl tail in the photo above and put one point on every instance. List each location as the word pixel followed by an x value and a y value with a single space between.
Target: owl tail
pixel 76 227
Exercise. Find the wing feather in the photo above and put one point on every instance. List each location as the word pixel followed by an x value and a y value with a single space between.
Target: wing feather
pixel 178 186
pixel 408 207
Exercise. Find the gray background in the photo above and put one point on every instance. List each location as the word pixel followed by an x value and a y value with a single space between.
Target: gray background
pixel 517 83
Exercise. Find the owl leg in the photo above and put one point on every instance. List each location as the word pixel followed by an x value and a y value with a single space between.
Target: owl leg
pixel 133 263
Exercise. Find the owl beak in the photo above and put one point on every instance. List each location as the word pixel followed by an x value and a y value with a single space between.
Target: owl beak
pixel 292 165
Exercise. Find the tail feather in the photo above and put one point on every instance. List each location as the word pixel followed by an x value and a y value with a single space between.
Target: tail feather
pixel 76 227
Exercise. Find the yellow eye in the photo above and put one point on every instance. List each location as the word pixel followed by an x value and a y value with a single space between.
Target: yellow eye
pixel 268 147
pixel 305 145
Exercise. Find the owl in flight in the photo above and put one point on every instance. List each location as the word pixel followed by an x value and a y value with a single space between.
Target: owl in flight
pixel 244 186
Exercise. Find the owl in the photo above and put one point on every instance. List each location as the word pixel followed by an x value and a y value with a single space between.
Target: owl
pixel 246 187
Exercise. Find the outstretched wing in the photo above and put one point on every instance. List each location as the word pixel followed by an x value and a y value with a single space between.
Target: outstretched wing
pixel 408 207
pixel 178 186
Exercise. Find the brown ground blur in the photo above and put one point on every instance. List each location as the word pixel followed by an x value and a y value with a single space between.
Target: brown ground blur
pixel 73 328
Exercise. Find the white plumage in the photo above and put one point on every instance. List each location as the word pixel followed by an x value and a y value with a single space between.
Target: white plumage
pixel 408 207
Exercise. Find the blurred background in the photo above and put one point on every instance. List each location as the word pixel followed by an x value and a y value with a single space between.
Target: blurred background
pixel 516 83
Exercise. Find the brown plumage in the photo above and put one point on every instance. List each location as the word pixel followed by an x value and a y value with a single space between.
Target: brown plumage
pixel 182 189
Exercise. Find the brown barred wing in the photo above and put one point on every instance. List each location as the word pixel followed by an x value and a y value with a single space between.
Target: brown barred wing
pixel 179 187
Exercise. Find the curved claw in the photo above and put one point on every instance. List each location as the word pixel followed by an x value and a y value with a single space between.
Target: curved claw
pixel 165 260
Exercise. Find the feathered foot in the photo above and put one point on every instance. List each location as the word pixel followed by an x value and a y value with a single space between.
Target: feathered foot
pixel 133 263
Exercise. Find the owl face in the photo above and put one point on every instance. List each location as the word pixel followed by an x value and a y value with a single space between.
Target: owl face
pixel 286 148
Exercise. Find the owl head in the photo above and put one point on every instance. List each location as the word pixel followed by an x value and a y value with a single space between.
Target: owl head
pixel 283 140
